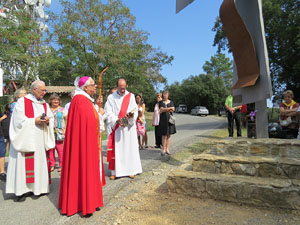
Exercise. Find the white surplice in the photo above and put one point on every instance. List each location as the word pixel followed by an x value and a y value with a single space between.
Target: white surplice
pixel 127 156
pixel 26 136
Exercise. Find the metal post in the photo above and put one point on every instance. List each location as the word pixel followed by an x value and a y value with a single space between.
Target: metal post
pixel 261 119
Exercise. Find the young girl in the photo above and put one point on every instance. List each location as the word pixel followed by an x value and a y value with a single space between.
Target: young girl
pixel 140 127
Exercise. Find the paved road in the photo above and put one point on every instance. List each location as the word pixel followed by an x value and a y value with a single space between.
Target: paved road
pixel 44 209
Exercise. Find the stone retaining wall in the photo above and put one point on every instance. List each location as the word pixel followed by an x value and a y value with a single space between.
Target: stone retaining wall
pixel 268 192
pixel 257 147
pixel 260 172
pixel 249 166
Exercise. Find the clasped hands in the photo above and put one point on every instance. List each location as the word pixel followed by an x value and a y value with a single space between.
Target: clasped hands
pixel 232 110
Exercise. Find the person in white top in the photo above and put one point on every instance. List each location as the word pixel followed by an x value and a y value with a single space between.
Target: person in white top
pixel 67 106
pixel 102 118
pixel 31 134
pixel 155 122
pixel 123 152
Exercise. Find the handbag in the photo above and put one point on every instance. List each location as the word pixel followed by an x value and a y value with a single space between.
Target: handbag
pixel 286 122
pixel 172 119
pixel 59 134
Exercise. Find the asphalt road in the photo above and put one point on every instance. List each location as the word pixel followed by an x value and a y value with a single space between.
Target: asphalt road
pixel 44 209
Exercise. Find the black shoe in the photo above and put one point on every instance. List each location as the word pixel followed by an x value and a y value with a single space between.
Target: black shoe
pixel 98 209
pixel 88 215
pixel 156 146
pixel 21 198
pixel 3 177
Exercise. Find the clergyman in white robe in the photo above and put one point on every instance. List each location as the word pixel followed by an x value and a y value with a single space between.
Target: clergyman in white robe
pixel 127 156
pixel 25 137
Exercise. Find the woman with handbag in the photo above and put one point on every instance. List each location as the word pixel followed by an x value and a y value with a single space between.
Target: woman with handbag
pixel 288 118
pixel 60 115
pixel 155 122
pixel 167 121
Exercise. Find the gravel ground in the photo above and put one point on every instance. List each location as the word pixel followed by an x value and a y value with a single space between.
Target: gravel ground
pixel 147 201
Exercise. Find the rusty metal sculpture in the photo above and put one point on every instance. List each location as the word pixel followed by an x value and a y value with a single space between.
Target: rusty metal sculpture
pixel 241 44
pixel 244 27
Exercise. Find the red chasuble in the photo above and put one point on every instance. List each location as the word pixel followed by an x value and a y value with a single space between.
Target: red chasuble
pixel 80 184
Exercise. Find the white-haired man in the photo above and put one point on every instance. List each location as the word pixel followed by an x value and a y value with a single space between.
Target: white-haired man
pixel 80 183
pixel 31 135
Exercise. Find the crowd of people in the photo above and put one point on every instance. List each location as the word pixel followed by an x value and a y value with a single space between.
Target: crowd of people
pixel 288 119
pixel 36 129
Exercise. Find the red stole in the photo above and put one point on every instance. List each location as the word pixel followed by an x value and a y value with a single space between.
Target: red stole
pixel 111 139
pixel 29 157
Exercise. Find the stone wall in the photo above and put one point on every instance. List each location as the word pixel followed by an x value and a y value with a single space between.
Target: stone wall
pixel 260 172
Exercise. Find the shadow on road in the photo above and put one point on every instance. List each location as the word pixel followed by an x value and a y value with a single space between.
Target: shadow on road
pixel 196 126
pixel 210 137
pixel 54 191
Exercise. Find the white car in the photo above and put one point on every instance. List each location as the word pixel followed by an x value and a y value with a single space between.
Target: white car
pixel 181 109
pixel 199 111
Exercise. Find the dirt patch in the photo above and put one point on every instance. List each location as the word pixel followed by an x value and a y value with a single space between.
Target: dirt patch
pixel 147 201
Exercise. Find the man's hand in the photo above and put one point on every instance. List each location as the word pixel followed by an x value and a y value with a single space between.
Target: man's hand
pixel 101 111
pixel 129 115
pixel 39 121
pixel 119 121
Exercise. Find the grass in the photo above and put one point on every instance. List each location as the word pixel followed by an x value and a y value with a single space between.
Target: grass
pixel 148 116
pixel 222 133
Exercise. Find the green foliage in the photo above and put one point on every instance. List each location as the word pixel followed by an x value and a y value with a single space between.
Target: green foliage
pixel 205 90
pixel 23 52
pixel 208 90
pixel 282 27
pixel 282 24
pixel 220 66
pixel 92 36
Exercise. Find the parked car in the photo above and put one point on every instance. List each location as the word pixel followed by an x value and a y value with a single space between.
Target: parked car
pixel 221 111
pixel 181 108
pixel 199 111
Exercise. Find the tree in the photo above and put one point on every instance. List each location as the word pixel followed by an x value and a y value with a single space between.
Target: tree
pixel 205 90
pixel 220 66
pixel 24 55
pixel 92 36
pixel 282 27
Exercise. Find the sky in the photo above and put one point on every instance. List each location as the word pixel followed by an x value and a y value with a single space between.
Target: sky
pixel 187 36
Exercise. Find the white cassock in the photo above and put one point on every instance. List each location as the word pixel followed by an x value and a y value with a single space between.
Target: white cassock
pixel 26 137
pixel 127 155
pixel 102 118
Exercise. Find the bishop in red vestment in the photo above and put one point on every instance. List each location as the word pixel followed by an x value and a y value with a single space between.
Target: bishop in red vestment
pixel 80 183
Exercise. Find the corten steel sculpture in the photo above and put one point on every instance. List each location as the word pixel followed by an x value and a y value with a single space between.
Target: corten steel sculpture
pixel 243 24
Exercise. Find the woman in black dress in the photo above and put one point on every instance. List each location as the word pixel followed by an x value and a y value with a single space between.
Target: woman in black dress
pixel 166 107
